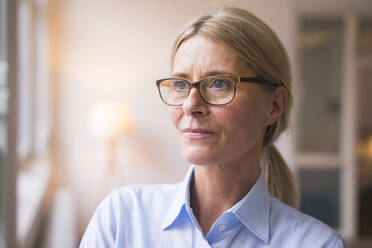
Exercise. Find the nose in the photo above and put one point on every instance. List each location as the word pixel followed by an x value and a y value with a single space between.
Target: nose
pixel 194 104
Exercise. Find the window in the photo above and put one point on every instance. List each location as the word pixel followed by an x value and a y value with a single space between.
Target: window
pixel 364 126
pixel 24 118
pixel 7 119
pixel 33 115
pixel 333 127
pixel 319 118
pixel 33 57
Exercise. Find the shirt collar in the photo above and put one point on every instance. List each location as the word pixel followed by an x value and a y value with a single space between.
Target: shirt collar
pixel 253 210
pixel 182 197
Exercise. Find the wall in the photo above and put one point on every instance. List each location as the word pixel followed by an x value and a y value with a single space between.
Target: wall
pixel 327 7
pixel 115 50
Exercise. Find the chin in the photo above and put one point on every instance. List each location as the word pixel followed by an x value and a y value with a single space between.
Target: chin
pixel 198 157
pixel 201 157
pixel 200 161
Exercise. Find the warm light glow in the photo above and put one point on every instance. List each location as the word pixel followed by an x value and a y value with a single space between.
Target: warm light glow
pixel 365 149
pixel 369 148
pixel 110 119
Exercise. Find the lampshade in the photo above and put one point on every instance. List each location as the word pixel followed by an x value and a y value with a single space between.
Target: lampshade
pixel 110 119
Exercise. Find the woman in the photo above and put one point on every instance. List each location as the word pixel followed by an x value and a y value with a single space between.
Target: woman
pixel 229 97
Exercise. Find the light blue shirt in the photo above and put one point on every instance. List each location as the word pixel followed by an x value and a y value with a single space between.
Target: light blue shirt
pixel 161 216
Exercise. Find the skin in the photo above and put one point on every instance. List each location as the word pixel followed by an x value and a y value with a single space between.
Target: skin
pixel 223 142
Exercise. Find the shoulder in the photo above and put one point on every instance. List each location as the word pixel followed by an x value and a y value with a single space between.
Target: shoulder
pixel 128 215
pixel 143 192
pixel 131 197
pixel 292 226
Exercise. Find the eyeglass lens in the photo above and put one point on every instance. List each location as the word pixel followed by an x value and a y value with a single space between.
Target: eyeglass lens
pixel 214 90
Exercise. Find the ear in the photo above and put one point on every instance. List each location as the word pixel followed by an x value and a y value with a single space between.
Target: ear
pixel 278 102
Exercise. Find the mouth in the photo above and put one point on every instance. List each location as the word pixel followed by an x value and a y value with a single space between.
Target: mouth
pixel 197 133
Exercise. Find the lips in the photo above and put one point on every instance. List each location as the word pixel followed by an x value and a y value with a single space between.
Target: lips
pixel 197 133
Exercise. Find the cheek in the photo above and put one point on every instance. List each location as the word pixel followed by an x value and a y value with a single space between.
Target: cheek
pixel 240 122
pixel 175 114
pixel 244 120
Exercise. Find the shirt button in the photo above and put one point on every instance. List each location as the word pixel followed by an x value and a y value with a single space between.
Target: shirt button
pixel 221 228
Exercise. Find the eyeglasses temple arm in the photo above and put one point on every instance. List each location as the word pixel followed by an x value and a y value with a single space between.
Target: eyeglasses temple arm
pixel 258 80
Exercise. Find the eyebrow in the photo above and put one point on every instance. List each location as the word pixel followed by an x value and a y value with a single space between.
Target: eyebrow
pixel 210 73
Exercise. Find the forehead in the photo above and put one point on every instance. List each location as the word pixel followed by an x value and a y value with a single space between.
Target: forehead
pixel 199 56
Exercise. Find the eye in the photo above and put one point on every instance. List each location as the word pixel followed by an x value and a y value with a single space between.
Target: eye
pixel 220 84
pixel 180 85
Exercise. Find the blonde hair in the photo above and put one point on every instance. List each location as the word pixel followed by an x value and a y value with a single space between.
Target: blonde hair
pixel 255 43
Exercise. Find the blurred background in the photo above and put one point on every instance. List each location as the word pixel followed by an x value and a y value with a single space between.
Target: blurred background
pixel 80 113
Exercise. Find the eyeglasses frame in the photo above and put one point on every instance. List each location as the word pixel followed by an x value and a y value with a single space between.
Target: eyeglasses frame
pixel 237 81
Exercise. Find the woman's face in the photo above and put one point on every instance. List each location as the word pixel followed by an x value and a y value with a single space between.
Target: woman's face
pixel 219 134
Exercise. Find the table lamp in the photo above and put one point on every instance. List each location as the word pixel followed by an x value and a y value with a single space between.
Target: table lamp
pixel 110 121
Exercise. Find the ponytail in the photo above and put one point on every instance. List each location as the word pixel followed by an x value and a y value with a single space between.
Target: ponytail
pixel 278 176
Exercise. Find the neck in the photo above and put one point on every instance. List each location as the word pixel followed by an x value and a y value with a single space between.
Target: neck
pixel 217 188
